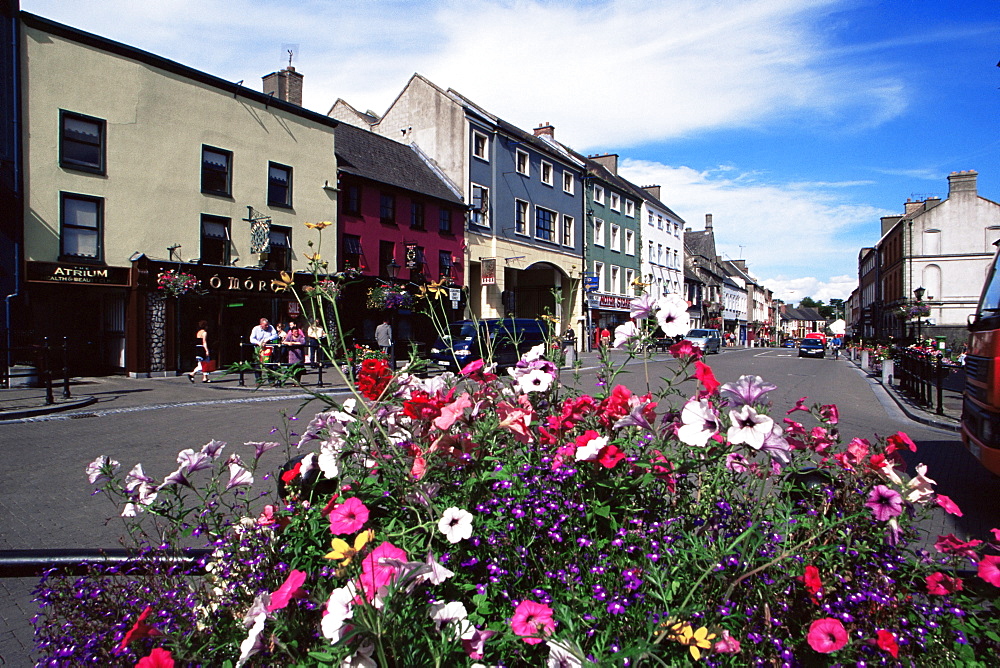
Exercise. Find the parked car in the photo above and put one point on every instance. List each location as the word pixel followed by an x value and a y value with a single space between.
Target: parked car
pixel 812 348
pixel 709 340
pixel 501 341
pixel 789 343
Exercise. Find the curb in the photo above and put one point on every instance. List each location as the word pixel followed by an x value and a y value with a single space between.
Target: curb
pixel 912 412
pixel 24 413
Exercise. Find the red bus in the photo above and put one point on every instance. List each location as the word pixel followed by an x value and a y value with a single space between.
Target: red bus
pixel 981 404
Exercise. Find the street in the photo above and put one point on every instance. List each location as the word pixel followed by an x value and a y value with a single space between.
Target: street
pixel 46 502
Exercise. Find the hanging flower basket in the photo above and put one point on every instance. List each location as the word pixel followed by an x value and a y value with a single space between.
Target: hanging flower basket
pixel 388 298
pixel 173 283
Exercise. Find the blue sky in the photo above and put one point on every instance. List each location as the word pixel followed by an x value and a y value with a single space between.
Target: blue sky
pixel 796 123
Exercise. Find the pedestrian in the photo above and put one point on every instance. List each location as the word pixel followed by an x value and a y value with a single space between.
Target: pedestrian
pixel 280 333
pixel 835 343
pixel 315 334
pixel 383 338
pixel 294 342
pixel 605 337
pixel 202 353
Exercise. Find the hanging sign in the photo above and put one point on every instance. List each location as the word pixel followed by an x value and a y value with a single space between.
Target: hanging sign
pixel 489 270
pixel 411 256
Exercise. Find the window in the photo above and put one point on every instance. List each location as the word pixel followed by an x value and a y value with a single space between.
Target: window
pixel 599 272
pixel 480 214
pixel 444 264
pixel 416 261
pixel 598 195
pixel 81 142
pixel 652 252
pixel 677 261
pixel 544 223
pixel 279 258
pixel 567 230
pixel 354 257
pixel 650 218
pixel 444 220
pixel 216 167
pixel 598 232
pixel 279 185
pixel 629 242
pixel 659 254
pixel 616 232
pixel 630 208
pixel 523 166
pixel 480 146
pixel 677 230
pixel 416 215
pixel 616 202
pixel 547 173
pixel 615 286
pixel 520 216
pixel 629 279
pixel 352 200
pixel 82 222
pixel 568 183
pixel 215 240
pixel 386 256
pixel 659 222
pixel 387 209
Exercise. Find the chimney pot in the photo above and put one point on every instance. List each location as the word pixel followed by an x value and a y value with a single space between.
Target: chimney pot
pixel 545 129
pixel 962 182
pixel 285 85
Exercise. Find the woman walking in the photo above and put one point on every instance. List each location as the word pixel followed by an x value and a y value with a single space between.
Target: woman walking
pixel 201 353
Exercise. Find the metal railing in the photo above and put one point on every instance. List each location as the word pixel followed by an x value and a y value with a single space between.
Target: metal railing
pixel 33 563
pixel 921 376
pixel 251 355
pixel 44 357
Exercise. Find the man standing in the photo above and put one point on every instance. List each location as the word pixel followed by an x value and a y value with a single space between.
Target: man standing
pixel 259 336
pixel 383 337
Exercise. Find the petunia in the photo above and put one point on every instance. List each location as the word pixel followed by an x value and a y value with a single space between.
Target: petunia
pixel 562 656
pixel 533 620
pixel 703 373
pixel 642 306
pixel 260 447
pixel 158 658
pixel 454 616
pixel 238 475
pixel 290 589
pixel 920 488
pixel 475 644
pixel 948 505
pixel 348 517
pixel 535 380
pixel 98 470
pixel 451 413
pixel 939 584
pixel 699 421
pixel 625 333
pixel 827 635
pixel 456 524
pixel 813 583
pixel 672 315
pixel 140 629
pixel 685 350
pixel 951 545
pixel 436 573
pixel 885 503
pixel 339 608
pixel 899 441
pixel 589 446
pixel 726 644
pixel 887 641
pixel 135 478
pixel 749 427
pixel 747 391
pixel 252 643
pixel 989 570
pixel 800 405
pixel 610 456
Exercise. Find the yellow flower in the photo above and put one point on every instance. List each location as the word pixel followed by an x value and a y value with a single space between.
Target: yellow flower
pixel 696 640
pixel 345 552
pixel 312 258
pixel 433 289
pixel 320 225
pixel 282 283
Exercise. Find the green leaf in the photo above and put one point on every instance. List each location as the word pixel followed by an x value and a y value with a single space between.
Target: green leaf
pixel 603 511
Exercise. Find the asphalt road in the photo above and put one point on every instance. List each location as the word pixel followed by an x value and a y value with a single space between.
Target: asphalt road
pixel 45 498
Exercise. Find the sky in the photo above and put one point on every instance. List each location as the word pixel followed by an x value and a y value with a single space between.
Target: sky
pixel 796 123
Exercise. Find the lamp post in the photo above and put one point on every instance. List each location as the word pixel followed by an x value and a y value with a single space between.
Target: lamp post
pixel 919 294
pixel 392 269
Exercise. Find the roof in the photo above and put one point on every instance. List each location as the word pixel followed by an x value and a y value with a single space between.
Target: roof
pixel 808 314
pixel 172 66
pixel 371 156
pixel 700 242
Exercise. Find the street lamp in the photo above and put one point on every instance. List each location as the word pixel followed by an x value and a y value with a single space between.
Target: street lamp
pixel 919 294
pixel 392 269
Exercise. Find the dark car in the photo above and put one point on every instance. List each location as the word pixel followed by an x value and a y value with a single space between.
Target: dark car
pixel 811 348
pixel 502 341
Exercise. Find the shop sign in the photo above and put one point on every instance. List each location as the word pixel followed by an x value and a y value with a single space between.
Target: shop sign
pixel 214 280
pixel 51 272
pixel 489 270
pixel 411 256
pixel 293 309
pixel 614 302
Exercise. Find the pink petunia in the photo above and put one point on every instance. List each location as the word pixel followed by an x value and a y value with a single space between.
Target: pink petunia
pixel 827 635
pixel 939 584
pixel 475 646
pixel 451 413
pixel 726 644
pixel 899 441
pixel 706 377
pixel 348 517
pixel 989 570
pixel 290 589
pixel 948 505
pixel 158 658
pixel 829 413
pixel 885 503
pixel 887 641
pixel 532 619
pixel 800 405
pixel 951 545
pixel 377 569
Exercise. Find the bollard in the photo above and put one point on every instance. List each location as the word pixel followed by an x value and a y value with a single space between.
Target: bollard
pixel 65 354
pixel 46 374
pixel 570 351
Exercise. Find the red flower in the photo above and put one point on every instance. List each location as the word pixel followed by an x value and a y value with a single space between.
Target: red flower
pixel 158 658
pixel 615 407
pixel 948 505
pixel 291 473
pixel 829 413
pixel 685 349
pixel 704 374
pixel 610 456
pixel 899 441
pixel 421 406
pixel 800 405
pixel 139 630
pixel 532 619
pixel 887 641
pixel 812 582
pixel 291 588
pixel 827 635
pixel 989 570
pixel 940 584
pixel 951 545
pixel 374 378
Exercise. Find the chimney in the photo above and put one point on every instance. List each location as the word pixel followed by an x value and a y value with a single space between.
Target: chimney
pixel 284 85
pixel 962 182
pixel 546 129
pixel 708 222
pixel 912 206
pixel 608 161
pixel 654 191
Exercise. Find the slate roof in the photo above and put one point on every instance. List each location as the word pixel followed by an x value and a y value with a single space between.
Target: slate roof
pixel 808 314
pixel 700 242
pixel 374 157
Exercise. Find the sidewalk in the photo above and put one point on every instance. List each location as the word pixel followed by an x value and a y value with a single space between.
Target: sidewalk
pixel 951 400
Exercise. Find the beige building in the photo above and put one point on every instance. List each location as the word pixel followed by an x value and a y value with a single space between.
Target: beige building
pixel 134 165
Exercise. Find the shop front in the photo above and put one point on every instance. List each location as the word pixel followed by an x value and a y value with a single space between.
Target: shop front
pixel 169 299
pixel 607 312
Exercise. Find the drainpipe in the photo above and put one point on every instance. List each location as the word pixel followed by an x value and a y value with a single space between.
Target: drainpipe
pixel 17 232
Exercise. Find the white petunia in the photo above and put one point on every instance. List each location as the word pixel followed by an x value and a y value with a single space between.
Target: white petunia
pixel 699 421
pixel 456 524
pixel 339 608
pixel 536 353
pixel 96 468
pixel 453 615
pixel 589 452
pixel 624 333
pixel 672 315
pixel 535 380
pixel 749 427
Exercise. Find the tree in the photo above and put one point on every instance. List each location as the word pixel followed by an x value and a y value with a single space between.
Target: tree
pixel 827 311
